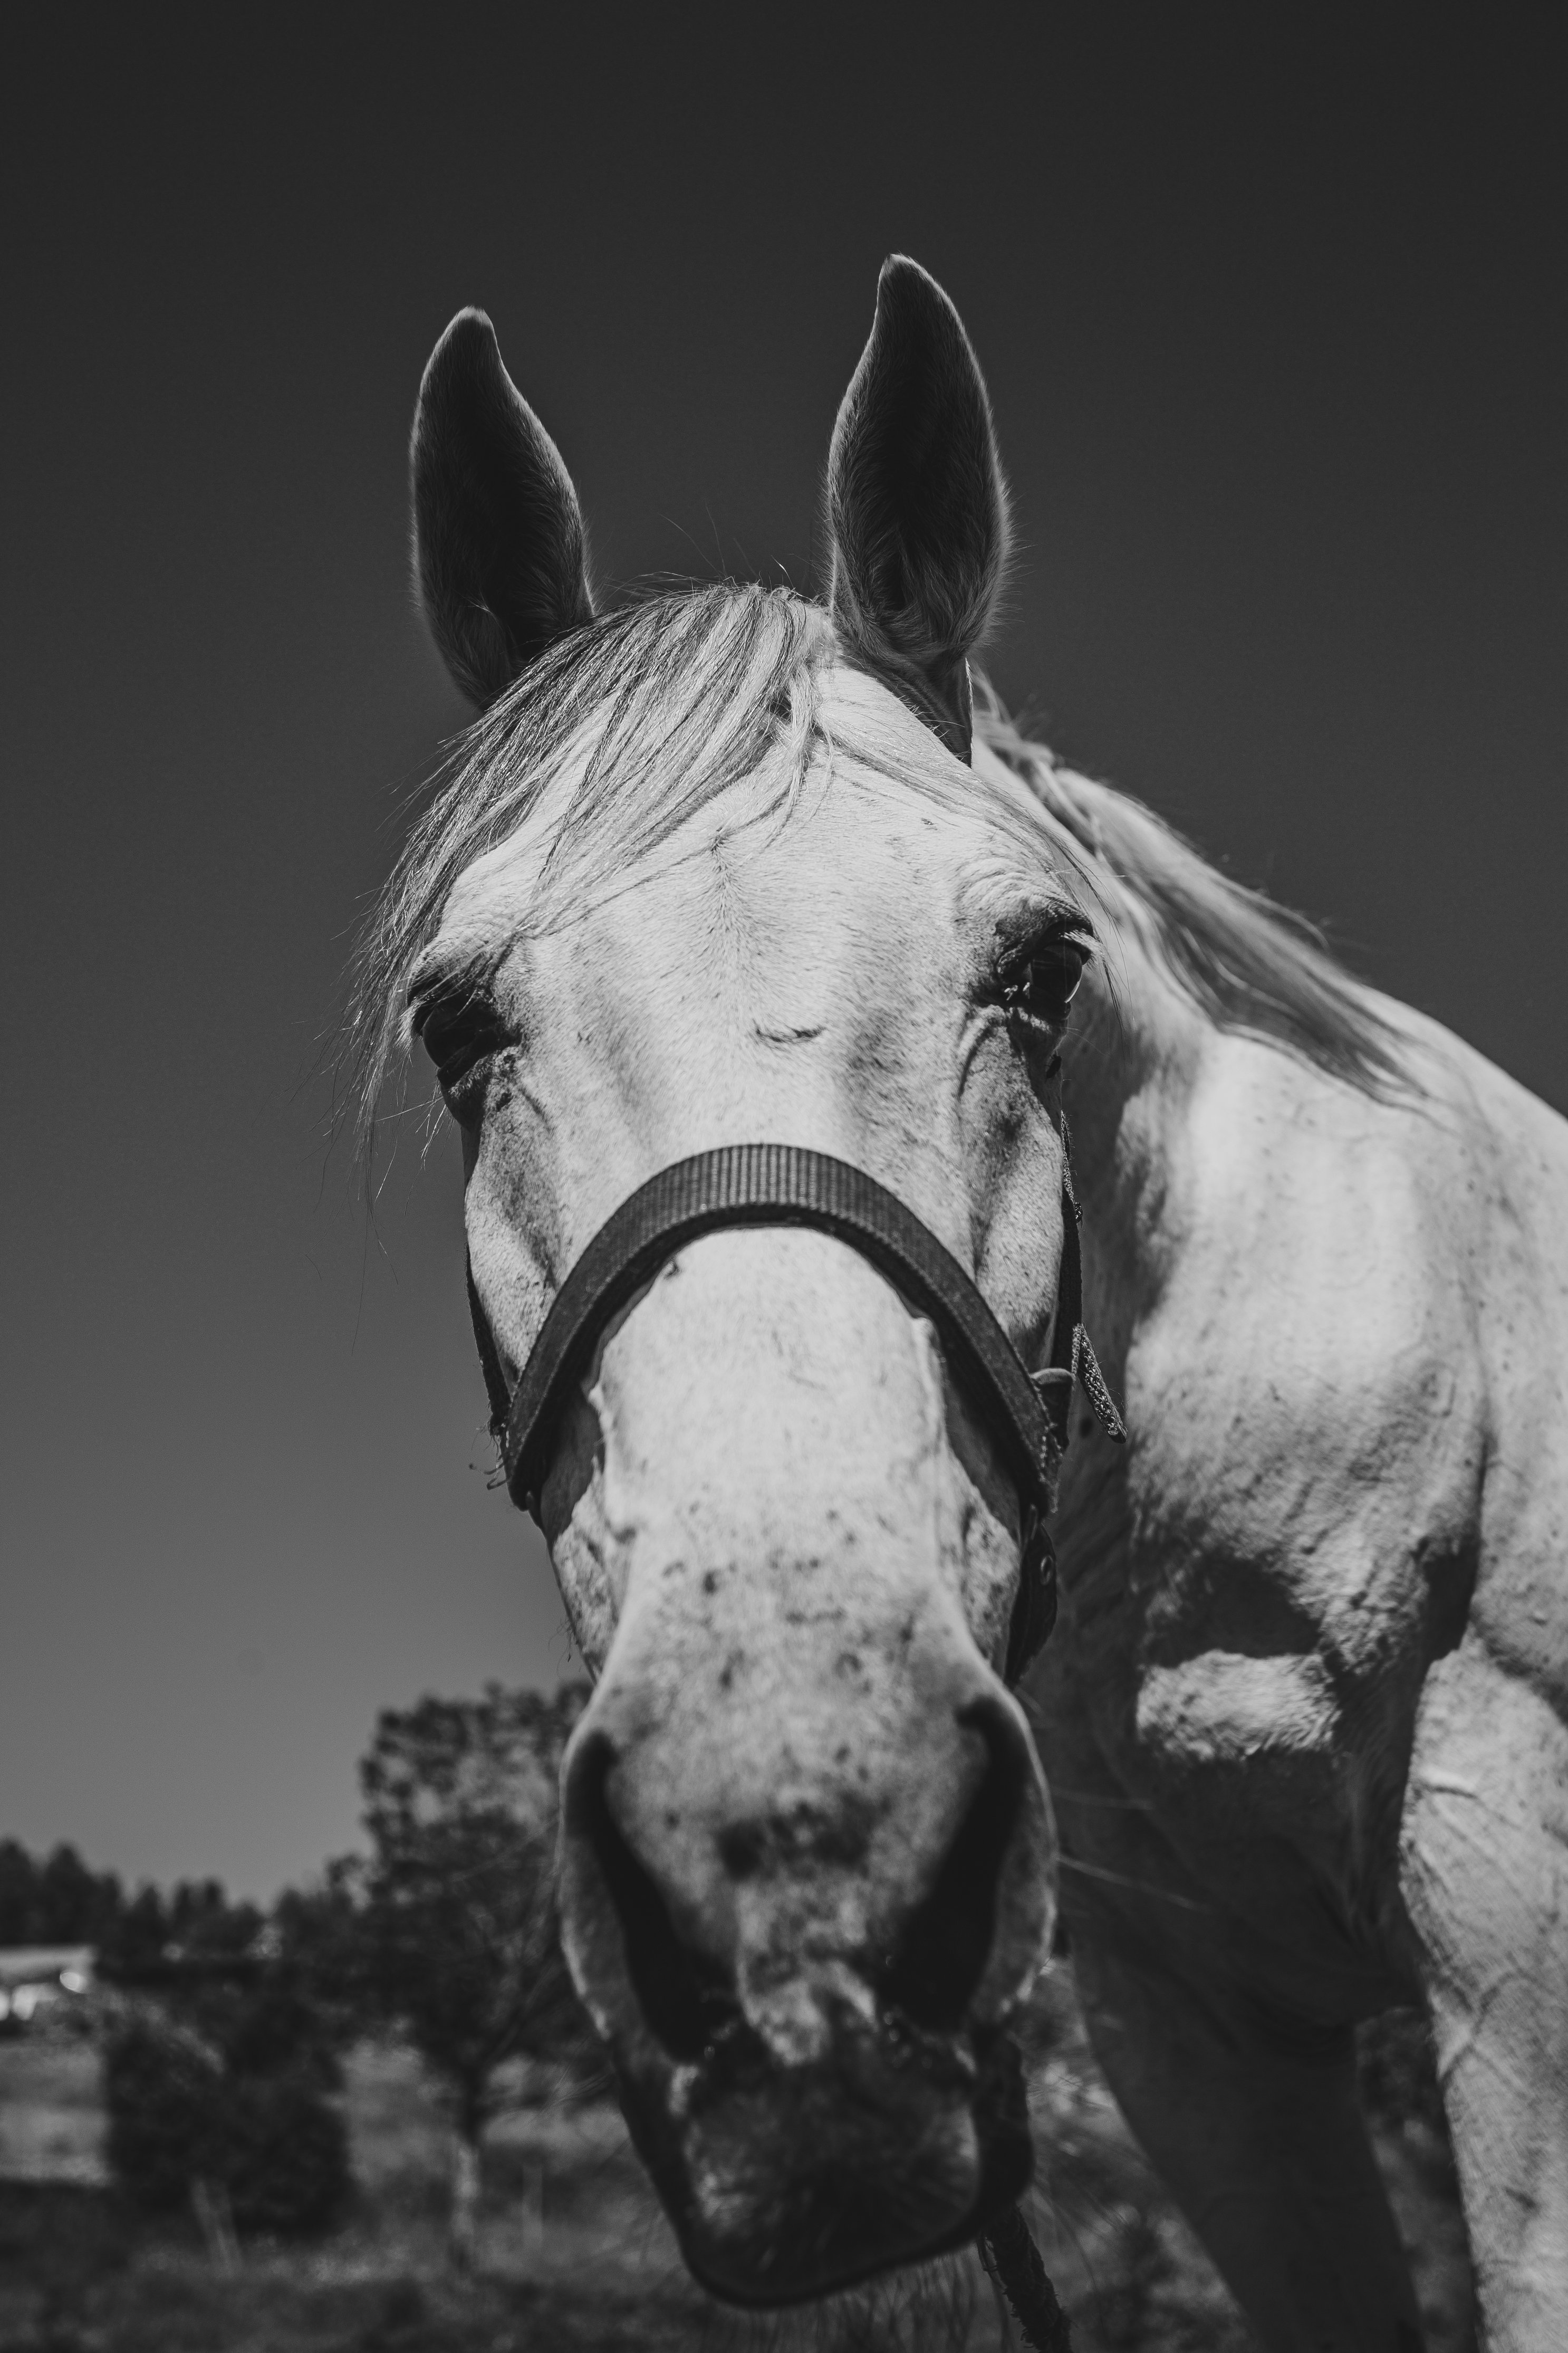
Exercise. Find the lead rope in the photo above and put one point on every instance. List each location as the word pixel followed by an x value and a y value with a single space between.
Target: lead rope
pixel 1014 2265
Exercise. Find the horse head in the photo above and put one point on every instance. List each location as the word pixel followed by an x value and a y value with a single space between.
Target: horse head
pixel 716 868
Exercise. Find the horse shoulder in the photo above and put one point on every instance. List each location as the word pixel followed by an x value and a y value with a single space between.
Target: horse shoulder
pixel 1349 1394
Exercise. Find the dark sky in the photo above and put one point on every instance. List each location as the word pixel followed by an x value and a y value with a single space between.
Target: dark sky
pixel 1273 316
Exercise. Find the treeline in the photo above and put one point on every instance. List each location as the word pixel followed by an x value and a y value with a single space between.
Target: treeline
pixel 55 1899
pixel 223 2051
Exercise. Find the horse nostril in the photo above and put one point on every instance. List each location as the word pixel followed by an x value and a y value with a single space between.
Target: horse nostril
pixel 686 1999
pixel 940 1957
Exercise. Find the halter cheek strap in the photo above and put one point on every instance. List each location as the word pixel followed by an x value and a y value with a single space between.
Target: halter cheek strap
pixel 781 1184
pixel 1072 1360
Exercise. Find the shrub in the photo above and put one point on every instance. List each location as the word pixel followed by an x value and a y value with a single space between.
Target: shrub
pixel 163 2091
pixel 176 2117
pixel 282 2152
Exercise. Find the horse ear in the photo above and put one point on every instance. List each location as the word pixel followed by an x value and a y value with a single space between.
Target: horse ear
pixel 917 504
pixel 500 553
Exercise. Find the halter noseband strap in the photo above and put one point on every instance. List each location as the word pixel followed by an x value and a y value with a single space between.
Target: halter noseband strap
pixel 783 1185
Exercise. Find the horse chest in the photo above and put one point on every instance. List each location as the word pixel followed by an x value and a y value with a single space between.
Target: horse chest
pixel 1233 1724
pixel 1239 1741
pixel 1222 1805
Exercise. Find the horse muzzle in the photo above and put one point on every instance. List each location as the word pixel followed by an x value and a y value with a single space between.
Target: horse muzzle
pixel 813 2058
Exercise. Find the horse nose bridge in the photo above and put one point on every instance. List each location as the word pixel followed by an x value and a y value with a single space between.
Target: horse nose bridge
pixel 773 1361
pixel 801 1814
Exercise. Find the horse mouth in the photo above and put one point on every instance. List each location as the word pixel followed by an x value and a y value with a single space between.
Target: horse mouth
pixel 785 2183
pixel 826 2115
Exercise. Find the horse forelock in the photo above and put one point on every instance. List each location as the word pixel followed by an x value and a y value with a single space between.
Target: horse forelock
pixel 637 719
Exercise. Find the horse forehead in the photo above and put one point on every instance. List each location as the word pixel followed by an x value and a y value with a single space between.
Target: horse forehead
pixel 862 862
pixel 878 876
pixel 863 879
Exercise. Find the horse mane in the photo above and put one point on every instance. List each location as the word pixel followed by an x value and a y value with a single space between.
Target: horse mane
pixel 683 692
pixel 1254 967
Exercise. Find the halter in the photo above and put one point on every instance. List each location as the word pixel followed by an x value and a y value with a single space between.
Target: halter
pixel 1029 1413
pixel 783 1185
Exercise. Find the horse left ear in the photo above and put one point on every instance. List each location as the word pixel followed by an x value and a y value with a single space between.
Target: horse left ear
pixel 917 503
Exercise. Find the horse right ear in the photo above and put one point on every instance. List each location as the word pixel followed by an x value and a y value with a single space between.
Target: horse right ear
pixel 499 552
pixel 916 508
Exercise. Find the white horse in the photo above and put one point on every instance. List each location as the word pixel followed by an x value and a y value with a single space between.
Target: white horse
pixel 724 867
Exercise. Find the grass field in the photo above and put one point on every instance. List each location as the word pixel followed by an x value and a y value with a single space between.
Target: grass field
pixel 576 2252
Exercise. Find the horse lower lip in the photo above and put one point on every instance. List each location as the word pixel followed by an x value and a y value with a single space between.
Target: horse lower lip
pixel 787 2184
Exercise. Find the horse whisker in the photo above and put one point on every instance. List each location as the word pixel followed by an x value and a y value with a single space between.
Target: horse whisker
pixel 1092 1797
pixel 1134 1886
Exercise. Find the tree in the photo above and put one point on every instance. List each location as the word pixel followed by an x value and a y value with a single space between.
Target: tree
pixel 194 1929
pixel 460 1918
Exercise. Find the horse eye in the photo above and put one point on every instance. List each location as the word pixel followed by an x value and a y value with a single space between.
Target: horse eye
pixel 1045 987
pixel 459 1029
